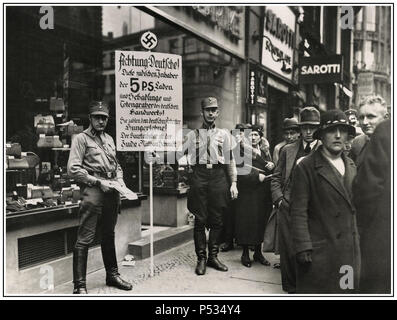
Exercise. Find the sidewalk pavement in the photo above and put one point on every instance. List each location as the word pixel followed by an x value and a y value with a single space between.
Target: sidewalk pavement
pixel 174 275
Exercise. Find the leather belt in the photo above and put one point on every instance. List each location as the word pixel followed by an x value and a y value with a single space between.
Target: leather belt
pixel 104 175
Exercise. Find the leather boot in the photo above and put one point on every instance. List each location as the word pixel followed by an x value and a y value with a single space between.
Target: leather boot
pixel 113 277
pixel 200 247
pixel 213 249
pixel 80 270
pixel 258 256
pixel 245 257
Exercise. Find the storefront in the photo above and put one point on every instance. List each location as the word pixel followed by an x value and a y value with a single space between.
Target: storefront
pixel 276 75
pixel 57 60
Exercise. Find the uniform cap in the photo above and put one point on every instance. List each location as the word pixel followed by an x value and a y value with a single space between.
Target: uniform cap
pixel 209 102
pixel 99 108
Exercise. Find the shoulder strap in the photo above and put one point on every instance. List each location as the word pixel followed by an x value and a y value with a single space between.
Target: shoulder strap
pixel 108 155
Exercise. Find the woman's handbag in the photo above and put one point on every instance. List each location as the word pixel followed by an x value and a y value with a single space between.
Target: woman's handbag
pixel 13 149
pixel 13 163
pixel 270 238
pixel 32 159
pixel 45 128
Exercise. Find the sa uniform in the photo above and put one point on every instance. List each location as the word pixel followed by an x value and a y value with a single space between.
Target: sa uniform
pixel 92 159
pixel 214 169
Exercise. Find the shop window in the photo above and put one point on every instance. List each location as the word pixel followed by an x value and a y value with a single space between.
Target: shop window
pixel 48 246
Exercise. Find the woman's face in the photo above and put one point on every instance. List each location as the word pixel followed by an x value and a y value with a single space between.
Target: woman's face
pixel 255 138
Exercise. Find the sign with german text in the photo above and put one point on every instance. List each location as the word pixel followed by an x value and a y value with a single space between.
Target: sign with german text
pixel 148 101
pixel 279 41
pixel 325 69
pixel 257 89
pixel 365 84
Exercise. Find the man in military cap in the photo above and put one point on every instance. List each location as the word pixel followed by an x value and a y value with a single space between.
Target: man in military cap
pixel 214 170
pixel 323 217
pixel 290 134
pixel 352 118
pixel 93 164
pixel 281 189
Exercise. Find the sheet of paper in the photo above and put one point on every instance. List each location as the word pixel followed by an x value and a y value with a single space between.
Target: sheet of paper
pixel 123 190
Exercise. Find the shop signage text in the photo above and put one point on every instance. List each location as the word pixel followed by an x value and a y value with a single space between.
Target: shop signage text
pixel 328 69
pixel 257 92
pixel 148 101
pixel 279 40
pixel 222 26
pixel 278 29
pixel 226 18
pixel 365 84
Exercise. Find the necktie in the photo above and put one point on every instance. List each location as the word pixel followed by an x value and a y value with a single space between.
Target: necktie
pixel 307 148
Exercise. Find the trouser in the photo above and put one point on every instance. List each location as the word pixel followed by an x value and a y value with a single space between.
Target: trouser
pixel 228 223
pixel 215 230
pixel 287 255
pixel 207 200
pixel 98 212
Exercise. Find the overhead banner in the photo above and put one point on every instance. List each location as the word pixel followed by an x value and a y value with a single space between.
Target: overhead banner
pixel 148 101
pixel 324 69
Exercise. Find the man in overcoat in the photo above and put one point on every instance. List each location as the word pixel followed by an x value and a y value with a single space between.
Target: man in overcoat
pixel 372 197
pixel 323 217
pixel 281 190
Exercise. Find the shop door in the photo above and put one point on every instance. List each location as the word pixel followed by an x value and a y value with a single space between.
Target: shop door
pixel 277 102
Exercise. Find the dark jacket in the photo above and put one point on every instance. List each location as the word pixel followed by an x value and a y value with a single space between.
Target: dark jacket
pixel 254 203
pixel 323 219
pixel 372 197
pixel 282 172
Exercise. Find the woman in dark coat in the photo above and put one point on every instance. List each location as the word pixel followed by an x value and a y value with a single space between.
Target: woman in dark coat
pixel 254 203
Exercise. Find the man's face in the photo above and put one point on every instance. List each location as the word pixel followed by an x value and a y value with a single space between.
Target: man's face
pixel 291 135
pixel 370 115
pixel 307 131
pixel 98 122
pixel 352 119
pixel 334 139
pixel 210 115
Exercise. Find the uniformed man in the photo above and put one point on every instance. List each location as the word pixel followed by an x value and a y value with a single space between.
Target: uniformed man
pixel 352 118
pixel 93 164
pixel 214 170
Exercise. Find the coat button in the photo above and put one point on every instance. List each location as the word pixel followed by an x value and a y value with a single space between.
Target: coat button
pixel 338 235
pixel 337 214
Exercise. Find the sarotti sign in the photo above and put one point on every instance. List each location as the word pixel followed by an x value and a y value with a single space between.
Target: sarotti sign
pixel 327 69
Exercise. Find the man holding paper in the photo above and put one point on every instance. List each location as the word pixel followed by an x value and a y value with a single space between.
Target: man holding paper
pixel 93 164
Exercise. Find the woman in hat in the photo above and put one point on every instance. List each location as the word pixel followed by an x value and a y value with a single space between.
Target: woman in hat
pixel 254 204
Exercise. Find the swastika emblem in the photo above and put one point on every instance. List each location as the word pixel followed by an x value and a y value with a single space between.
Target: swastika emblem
pixel 149 40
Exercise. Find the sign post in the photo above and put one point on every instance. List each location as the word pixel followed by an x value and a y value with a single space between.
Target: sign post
pixel 148 106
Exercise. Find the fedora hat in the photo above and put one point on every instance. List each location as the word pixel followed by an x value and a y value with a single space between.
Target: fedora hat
pixel 309 115
pixel 333 118
pixel 290 123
